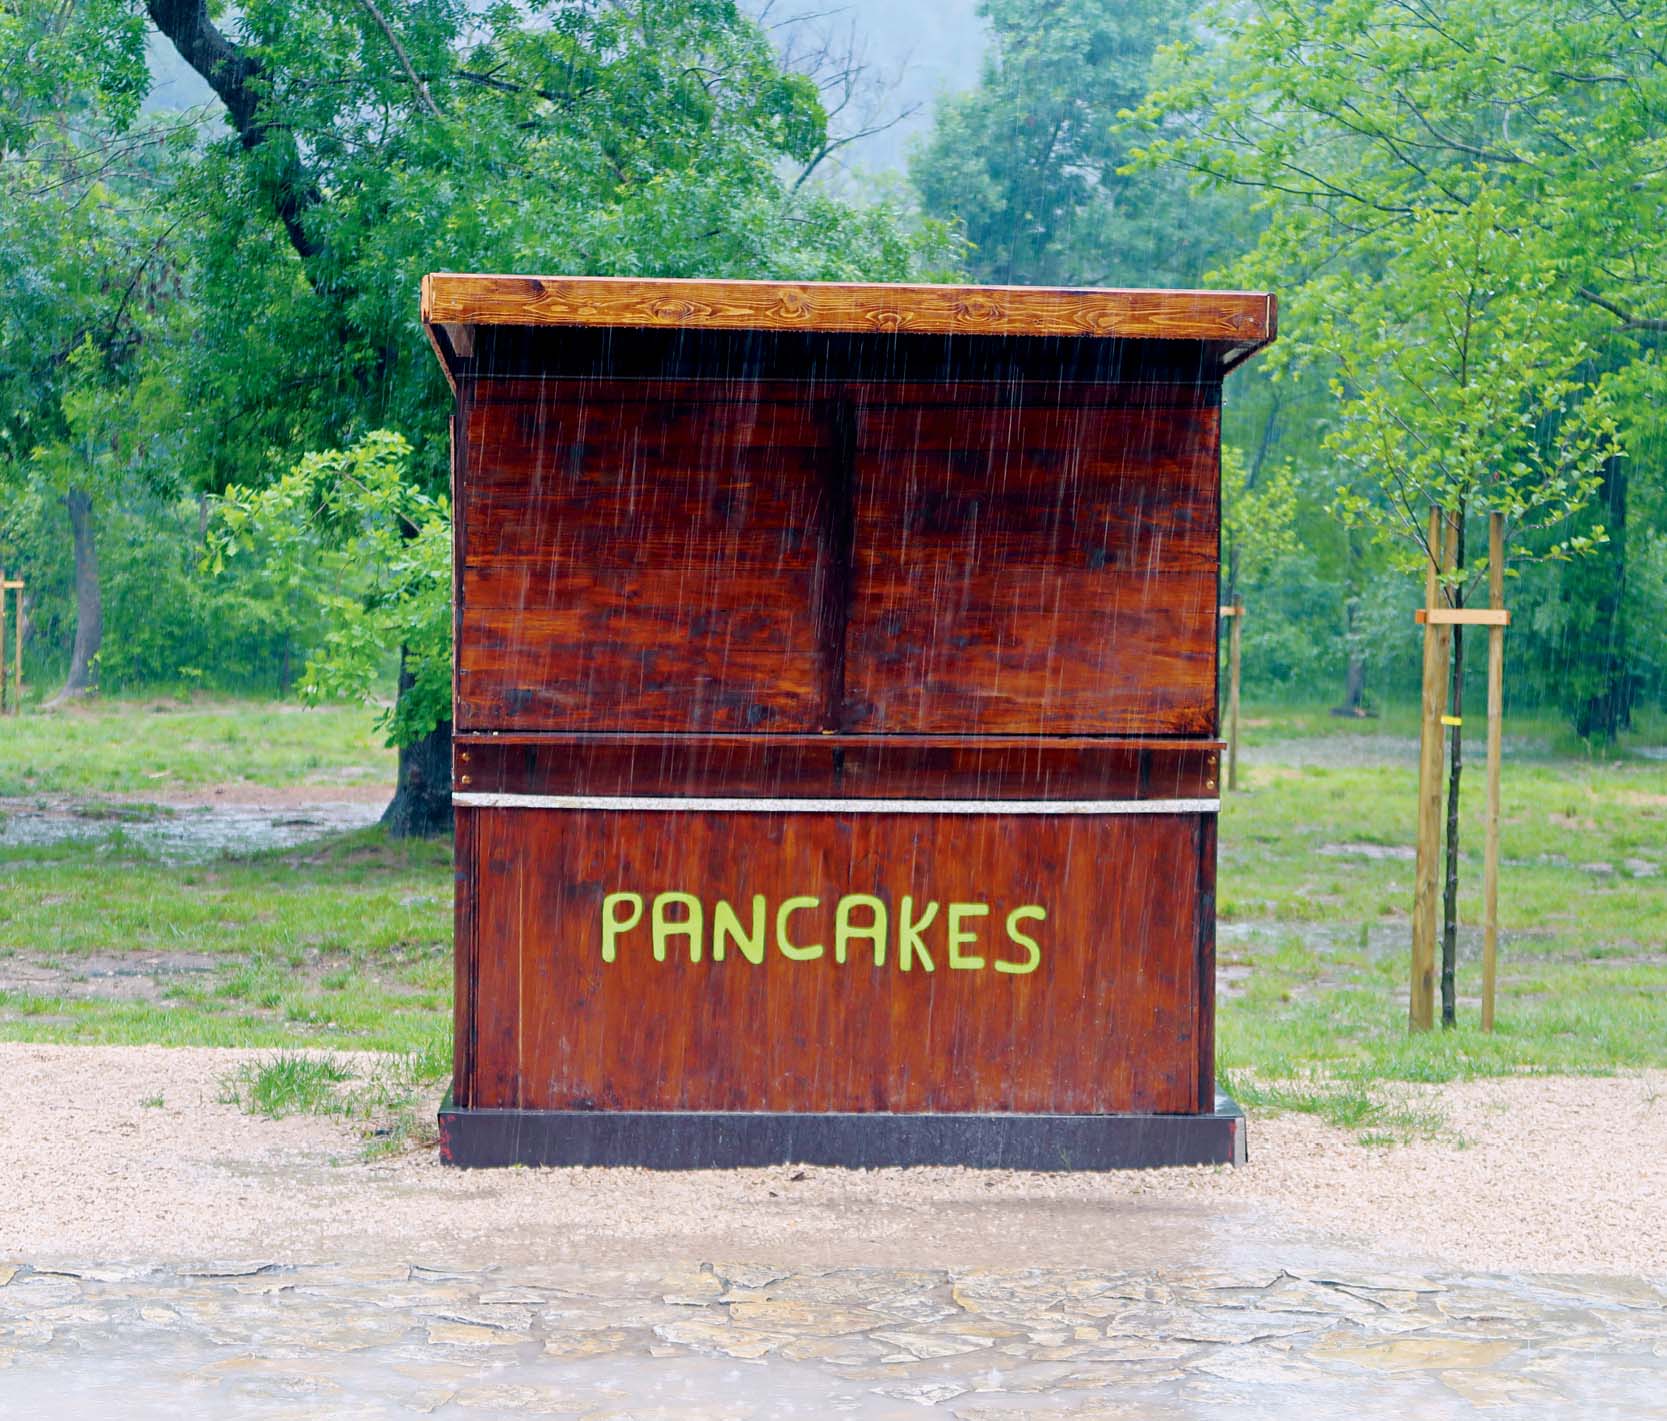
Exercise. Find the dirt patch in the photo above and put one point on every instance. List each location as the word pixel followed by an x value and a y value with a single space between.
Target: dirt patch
pixel 357 785
pixel 1404 852
pixel 1555 1175
pixel 105 976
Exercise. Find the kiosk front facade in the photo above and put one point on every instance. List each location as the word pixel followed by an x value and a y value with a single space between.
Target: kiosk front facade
pixel 836 760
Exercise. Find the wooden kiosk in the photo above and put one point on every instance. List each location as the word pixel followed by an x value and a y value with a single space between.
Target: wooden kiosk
pixel 836 764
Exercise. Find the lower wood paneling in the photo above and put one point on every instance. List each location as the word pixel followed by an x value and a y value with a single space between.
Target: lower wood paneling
pixel 1109 1020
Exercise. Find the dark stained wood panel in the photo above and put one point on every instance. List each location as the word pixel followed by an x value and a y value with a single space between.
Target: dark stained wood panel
pixel 842 766
pixel 463 300
pixel 1035 570
pixel 673 666
pixel 1107 1021
pixel 632 564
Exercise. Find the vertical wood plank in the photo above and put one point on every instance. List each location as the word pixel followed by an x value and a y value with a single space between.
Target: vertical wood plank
pixel 1206 909
pixel 1490 842
pixel 465 955
pixel 1421 1007
pixel 500 886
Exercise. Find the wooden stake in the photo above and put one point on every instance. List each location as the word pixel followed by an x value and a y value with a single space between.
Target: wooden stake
pixel 1235 615
pixel 1421 1006
pixel 14 585
pixel 1496 695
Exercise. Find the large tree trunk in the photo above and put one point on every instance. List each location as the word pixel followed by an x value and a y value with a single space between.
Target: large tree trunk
pixel 89 601
pixel 421 806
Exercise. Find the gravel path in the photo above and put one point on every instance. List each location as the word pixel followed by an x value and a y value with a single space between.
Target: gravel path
pixel 1553 1176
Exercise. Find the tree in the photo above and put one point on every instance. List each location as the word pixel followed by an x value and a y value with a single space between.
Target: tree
pixel 87 277
pixel 1033 160
pixel 369 146
pixel 1357 123
pixel 1441 179
pixel 348 531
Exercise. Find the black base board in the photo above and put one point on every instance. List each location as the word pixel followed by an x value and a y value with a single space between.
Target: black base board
pixel 731 1140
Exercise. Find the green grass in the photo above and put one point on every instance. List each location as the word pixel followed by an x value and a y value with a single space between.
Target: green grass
pixel 1314 915
pixel 391 1099
pixel 154 745
pixel 345 945
pixel 287 1084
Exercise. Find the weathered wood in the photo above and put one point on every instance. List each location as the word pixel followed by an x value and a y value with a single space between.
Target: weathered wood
pixel 1107 1021
pixel 1490 836
pixel 454 299
pixel 1421 1009
pixel 15 701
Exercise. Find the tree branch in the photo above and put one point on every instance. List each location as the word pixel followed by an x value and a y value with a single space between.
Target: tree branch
pixel 234 75
pixel 403 57
pixel 1628 320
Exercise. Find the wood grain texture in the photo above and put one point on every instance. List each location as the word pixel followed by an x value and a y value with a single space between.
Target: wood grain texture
pixel 640 560
pixel 1045 571
pixel 642 563
pixel 474 300
pixel 465 954
pixel 1109 1022
pixel 832 766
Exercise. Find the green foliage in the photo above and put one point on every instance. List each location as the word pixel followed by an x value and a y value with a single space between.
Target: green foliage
pixel 1258 514
pixel 1460 386
pixel 346 532
pixel 581 138
pixel 190 306
pixel 1032 161
pixel 1461 219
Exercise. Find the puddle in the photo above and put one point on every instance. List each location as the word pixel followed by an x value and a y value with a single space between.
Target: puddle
pixel 180 834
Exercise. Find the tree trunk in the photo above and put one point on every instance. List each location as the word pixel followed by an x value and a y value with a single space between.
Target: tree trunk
pixel 1450 893
pixel 1354 678
pixel 421 806
pixel 1354 687
pixel 89 602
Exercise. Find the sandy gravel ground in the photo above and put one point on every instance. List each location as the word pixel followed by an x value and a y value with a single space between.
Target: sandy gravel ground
pixel 1546 1175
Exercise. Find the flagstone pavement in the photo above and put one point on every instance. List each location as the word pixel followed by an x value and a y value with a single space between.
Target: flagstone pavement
pixel 704 1341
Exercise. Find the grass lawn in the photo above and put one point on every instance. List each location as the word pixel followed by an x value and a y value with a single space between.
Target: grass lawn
pixel 155 745
pixel 346 943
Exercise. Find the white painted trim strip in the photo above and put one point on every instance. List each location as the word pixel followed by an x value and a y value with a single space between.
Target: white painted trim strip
pixel 652 802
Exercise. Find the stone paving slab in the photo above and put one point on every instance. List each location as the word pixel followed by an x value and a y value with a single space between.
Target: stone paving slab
pixel 709 1340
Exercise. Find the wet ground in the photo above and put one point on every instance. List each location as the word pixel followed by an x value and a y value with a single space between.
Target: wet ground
pixel 741 1341
pixel 185 832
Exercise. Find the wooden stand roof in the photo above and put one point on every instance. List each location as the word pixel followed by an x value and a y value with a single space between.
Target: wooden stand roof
pixel 1232 324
